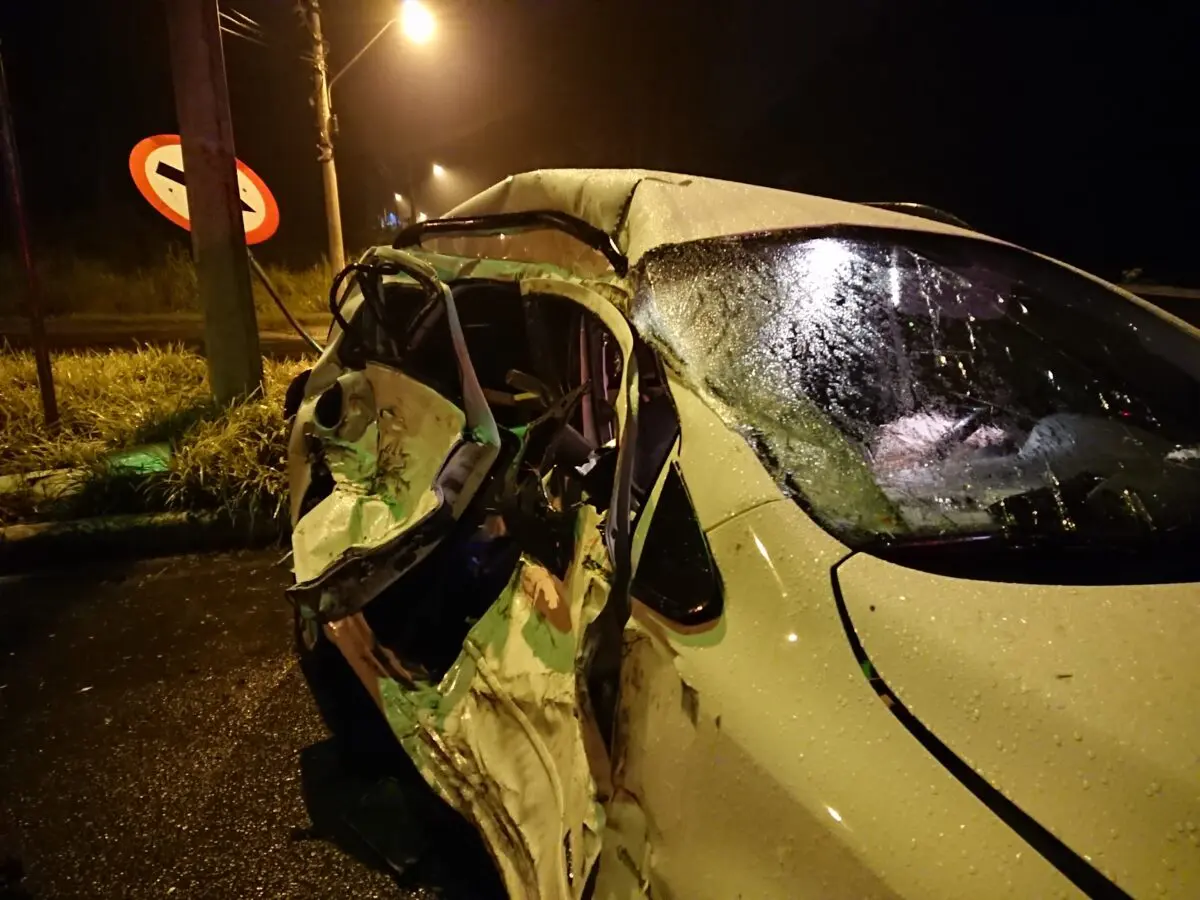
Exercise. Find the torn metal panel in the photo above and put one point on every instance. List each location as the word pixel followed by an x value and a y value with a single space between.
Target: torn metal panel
pixel 506 734
pixel 403 460
pixel 501 738
pixel 625 869
pixel 384 469
pixel 371 662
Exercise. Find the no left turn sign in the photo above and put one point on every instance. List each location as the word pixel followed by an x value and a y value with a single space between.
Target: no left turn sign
pixel 156 165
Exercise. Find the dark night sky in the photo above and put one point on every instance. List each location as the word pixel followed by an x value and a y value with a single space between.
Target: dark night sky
pixel 1069 127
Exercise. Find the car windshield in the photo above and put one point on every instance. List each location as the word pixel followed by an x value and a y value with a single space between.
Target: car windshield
pixel 908 385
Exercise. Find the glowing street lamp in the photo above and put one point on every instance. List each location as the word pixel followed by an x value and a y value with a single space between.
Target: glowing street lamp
pixel 438 171
pixel 416 21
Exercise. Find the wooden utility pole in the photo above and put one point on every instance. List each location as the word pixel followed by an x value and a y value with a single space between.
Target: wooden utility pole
pixel 214 203
pixel 322 105
pixel 33 299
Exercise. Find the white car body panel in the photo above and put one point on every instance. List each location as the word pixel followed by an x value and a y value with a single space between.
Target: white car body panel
pixel 731 479
pixel 795 780
pixel 1078 703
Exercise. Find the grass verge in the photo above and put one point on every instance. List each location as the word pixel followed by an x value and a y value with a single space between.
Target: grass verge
pixel 222 459
pixel 75 284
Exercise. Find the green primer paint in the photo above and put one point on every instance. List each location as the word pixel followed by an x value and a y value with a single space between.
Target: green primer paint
pixel 404 709
pixel 491 631
pixel 356 460
pixel 709 637
pixel 553 647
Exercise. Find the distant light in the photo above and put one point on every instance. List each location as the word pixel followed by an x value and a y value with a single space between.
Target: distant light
pixel 837 816
pixel 793 637
pixel 421 217
pixel 438 171
pixel 399 198
pixel 416 21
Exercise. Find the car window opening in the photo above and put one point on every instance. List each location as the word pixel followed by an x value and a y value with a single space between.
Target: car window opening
pixel 529 504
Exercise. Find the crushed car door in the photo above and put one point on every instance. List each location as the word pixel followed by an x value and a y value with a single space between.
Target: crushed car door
pixel 397 459
pixel 503 730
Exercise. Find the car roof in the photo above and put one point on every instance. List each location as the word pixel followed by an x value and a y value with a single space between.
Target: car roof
pixel 642 209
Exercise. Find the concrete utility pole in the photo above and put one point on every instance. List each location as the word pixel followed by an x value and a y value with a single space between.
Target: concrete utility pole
pixel 214 203
pixel 333 209
pixel 33 300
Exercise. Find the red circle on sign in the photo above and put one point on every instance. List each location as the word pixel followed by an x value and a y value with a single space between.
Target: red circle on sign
pixel 137 168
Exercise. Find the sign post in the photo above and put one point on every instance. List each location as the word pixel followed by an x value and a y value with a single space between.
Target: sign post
pixel 213 198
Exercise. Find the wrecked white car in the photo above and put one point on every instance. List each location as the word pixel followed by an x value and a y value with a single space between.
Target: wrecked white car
pixel 701 541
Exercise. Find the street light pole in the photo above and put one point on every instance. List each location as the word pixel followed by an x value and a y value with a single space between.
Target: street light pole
pixel 333 209
pixel 418 26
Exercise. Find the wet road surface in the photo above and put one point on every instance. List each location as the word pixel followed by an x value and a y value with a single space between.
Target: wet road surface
pixel 157 739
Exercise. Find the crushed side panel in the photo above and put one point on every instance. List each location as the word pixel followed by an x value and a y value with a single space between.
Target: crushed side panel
pixel 501 737
pixel 384 456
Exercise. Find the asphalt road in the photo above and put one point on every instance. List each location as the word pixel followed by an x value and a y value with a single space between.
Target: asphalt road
pixel 157 739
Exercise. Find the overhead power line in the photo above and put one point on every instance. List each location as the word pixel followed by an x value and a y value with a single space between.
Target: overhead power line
pixel 250 23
